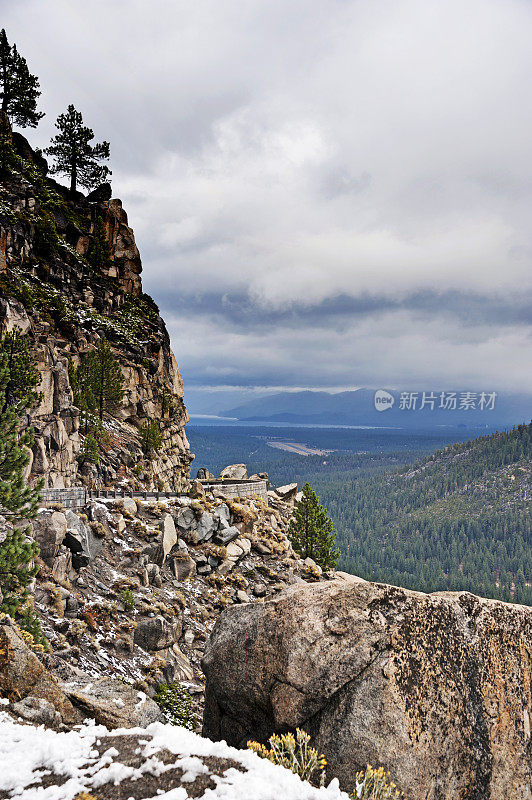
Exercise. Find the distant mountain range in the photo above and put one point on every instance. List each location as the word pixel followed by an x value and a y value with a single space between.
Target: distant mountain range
pixel 403 410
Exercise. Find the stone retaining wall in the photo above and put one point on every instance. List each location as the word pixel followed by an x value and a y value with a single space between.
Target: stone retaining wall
pixel 239 488
pixel 77 496
pixel 74 497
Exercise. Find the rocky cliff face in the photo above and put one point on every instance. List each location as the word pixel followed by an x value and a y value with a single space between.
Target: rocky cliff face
pixel 49 290
pixel 436 688
pixel 131 589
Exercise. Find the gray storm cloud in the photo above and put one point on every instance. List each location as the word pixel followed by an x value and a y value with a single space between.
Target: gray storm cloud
pixel 324 164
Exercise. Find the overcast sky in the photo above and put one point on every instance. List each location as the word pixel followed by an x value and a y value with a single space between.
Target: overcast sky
pixel 325 193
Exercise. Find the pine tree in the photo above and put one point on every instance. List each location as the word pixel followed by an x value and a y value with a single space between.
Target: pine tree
pixel 151 437
pixel 19 89
pixel 17 502
pixel 23 377
pixel 311 531
pixel 74 154
pixel 100 379
pixel 99 255
pixel 90 453
pixel 6 146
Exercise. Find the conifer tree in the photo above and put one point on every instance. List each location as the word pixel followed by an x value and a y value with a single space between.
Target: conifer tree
pixel 311 531
pixel 100 379
pixel 17 502
pixel 74 154
pixel 23 376
pixel 99 255
pixel 90 453
pixel 151 437
pixel 6 146
pixel 19 89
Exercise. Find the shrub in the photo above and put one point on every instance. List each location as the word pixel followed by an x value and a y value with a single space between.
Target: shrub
pixel 100 254
pixel 128 599
pixel 47 240
pixel 294 753
pixel 98 529
pixel 176 705
pixel 30 623
pixel 373 784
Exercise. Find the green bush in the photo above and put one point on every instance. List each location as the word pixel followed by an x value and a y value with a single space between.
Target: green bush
pixel 128 599
pixel 176 705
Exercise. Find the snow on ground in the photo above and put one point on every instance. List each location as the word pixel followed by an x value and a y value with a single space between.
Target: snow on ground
pixel 30 755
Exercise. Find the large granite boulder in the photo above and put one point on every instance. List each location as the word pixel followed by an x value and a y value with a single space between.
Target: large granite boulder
pixel 81 541
pixel 169 534
pixel 436 688
pixel 234 472
pixel 49 530
pixel 23 675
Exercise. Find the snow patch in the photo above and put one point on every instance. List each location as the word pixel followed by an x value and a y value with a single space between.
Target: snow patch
pixel 26 752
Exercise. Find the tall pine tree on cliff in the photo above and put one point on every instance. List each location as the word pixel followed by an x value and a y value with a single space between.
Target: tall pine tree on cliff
pixel 19 89
pixel 99 255
pixel 17 500
pixel 311 531
pixel 74 153
pixel 23 377
pixel 100 379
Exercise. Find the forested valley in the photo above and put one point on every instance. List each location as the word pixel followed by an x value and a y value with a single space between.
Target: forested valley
pixel 456 519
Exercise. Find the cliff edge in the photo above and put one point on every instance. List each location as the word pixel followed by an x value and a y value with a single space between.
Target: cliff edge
pixel 51 289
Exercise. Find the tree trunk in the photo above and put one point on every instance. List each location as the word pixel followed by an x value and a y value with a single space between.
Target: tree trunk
pixel 73 177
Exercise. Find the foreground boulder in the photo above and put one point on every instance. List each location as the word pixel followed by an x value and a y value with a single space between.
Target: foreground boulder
pixel 22 674
pixel 436 688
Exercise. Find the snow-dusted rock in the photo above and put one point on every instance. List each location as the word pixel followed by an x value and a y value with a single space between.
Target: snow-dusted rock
pixel 166 762
pixel 156 633
pixel 111 702
pixel 226 535
pixel 130 505
pixel 206 526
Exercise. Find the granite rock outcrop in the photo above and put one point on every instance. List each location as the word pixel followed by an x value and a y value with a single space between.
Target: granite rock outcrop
pixel 51 289
pixel 436 688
